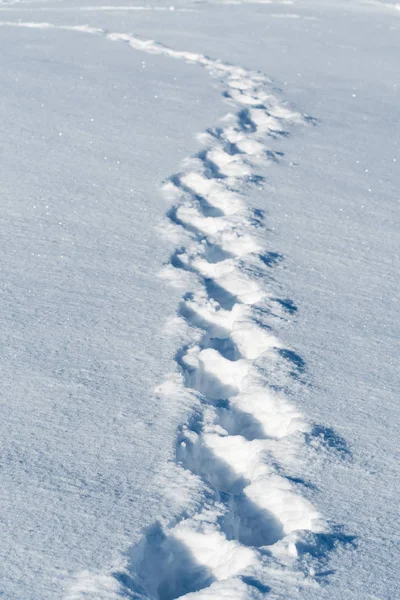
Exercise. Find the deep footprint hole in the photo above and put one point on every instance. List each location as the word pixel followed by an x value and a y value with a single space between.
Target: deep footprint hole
pixel 215 254
pixel 238 422
pixel 206 208
pixel 172 215
pixel 166 569
pixel 208 384
pixel 249 524
pixel 196 320
pixel 224 298
pixel 201 460
pixel 245 121
pixel 211 170
pixel 226 348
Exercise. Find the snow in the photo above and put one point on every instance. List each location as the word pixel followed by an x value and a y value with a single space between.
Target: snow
pixel 83 310
pixel 200 364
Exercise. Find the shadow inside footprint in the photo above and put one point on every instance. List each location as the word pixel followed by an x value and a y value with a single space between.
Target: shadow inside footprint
pixel 238 422
pixel 250 524
pixel 215 254
pixel 165 568
pixel 197 320
pixel 208 384
pixel 224 298
pixel 225 346
pixel 202 461
pixel 245 121
pixel 206 208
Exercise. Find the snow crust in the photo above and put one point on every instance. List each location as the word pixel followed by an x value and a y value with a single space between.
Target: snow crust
pixel 247 519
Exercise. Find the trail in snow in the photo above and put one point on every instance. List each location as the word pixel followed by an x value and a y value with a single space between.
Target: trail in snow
pixel 18 5
pixel 14 6
pixel 284 2
pixel 251 529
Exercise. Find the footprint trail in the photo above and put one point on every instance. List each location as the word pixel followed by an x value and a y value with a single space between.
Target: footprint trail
pixel 246 446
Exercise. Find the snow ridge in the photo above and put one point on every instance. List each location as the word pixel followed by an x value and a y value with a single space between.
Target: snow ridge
pixel 250 529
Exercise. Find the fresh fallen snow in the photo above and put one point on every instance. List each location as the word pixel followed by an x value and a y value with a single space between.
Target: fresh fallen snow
pixel 199 373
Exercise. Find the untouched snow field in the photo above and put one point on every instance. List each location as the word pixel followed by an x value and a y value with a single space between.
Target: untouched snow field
pixel 200 257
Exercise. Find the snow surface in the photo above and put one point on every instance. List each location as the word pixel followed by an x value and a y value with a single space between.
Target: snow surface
pixel 199 384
